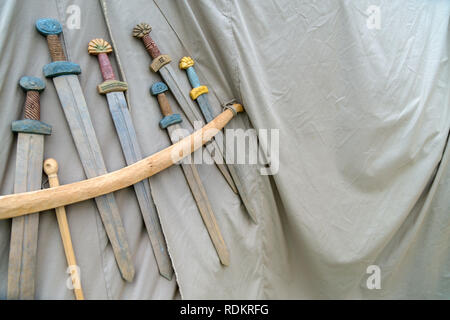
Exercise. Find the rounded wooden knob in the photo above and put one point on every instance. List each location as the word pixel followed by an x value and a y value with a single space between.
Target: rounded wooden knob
pixel 50 166
pixel 141 30
pixel 32 84
pixel 48 26
pixel 97 46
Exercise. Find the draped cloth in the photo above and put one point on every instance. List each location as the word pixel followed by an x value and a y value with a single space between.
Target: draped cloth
pixel 359 92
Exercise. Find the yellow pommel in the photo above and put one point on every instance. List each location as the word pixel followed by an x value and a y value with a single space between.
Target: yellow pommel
pixel 186 62
pixel 98 46
pixel 196 92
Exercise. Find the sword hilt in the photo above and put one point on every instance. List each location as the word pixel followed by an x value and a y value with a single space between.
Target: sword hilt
pixel 32 86
pixel 51 28
pixel 170 118
pixel 101 48
pixel 142 31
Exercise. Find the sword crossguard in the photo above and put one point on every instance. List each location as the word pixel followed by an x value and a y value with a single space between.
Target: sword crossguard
pixel 142 31
pixel 32 110
pixel 158 89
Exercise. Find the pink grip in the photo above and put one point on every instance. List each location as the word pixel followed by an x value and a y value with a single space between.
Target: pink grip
pixel 105 67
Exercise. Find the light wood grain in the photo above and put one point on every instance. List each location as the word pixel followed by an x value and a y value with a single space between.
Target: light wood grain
pixel 51 169
pixel 20 204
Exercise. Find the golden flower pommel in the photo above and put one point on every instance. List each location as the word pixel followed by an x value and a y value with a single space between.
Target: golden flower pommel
pixel 186 62
pixel 98 46
pixel 141 30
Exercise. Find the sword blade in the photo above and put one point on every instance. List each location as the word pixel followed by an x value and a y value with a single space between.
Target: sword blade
pixel 77 115
pixel 24 232
pixel 203 103
pixel 193 115
pixel 128 140
pixel 201 199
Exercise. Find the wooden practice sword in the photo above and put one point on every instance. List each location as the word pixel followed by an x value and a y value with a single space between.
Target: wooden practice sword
pixel 171 122
pixel 113 89
pixel 199 93
pixel 161 64
pixel 51 169
pixel 28 176
pixel 72 100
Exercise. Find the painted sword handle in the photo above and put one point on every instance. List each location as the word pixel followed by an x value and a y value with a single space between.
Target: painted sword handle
pixel 51 28
pixel 101 48
pixel 158 89
pixel 187 63
pixel 32 86
pixel 142 31
pixel 51 169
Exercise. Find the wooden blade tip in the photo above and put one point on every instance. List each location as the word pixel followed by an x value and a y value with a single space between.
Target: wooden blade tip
pixel 97 46
pixel 50 166
pixel 48 26
pixel 32 84
pixel 141 30
pixel 158 88
pixel 238 107
pixel 186 62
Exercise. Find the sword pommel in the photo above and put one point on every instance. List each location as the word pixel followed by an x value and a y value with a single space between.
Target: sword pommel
pixel 101 48
pixel 186 62
pixel 32 84
pixel 158 87
pixel 97 46
pixel 51 28
pixel 32 87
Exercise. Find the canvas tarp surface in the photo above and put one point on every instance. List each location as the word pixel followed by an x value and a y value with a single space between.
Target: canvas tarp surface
pixel 363 115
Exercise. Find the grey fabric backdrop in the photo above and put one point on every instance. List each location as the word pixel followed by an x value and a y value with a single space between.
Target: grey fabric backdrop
pixel 363 116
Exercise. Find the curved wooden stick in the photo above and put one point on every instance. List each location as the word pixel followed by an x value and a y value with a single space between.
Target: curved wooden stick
pixel 20 204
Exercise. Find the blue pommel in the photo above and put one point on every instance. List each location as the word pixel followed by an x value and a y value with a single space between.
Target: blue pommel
pixel 157 88
pixel 32 84
pixel 48 26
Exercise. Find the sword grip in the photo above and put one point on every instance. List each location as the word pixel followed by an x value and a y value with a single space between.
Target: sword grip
pixel 164 105
pixel 55 48
pixel 101 48
pixel 142 31
pixel 32 106
pixel 151 46
pixel 32 86
pixel 51 28
pixel 106 67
